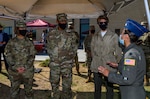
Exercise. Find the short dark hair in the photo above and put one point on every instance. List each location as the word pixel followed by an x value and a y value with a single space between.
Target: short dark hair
pixel 103 17
pixel 133 37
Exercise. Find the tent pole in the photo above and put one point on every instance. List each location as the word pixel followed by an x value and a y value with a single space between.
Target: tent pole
pixel 147 12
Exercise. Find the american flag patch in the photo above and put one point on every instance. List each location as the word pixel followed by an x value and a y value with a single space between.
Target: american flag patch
pixel 130 62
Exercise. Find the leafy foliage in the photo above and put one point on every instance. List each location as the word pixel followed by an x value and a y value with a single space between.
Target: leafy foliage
pixel 45 63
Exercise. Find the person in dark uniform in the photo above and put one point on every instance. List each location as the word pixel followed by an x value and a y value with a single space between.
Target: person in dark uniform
pixel 132 66
pixel 4 38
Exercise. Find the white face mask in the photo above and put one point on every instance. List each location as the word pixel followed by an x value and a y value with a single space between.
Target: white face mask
pixel 121 41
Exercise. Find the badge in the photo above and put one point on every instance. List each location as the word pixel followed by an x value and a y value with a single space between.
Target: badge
pixel 130 62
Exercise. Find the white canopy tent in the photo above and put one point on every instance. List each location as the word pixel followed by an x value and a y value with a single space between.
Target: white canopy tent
pixel 33 9
pixel 49 8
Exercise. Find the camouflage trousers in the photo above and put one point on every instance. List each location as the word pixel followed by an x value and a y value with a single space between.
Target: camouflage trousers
pixel 76 63
pixel 147 64
pixel 64 72
pixel 16 81
pixel 147 57
pixel 88 63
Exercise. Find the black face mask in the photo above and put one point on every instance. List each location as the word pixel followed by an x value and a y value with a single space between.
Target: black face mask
pixel 92 31
pixel 103 25
pixel 22 32
pixel 1 31
pixel 62 26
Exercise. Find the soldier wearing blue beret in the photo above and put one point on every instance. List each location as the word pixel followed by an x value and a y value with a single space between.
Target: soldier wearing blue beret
pixel 132 66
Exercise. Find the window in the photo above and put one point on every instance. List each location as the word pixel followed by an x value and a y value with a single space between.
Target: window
pixel 8 30
pixel 84 28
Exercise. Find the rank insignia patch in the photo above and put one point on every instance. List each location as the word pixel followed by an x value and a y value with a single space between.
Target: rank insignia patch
pixel 130 62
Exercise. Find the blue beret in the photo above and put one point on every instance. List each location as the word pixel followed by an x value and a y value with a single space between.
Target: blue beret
pixel 135 27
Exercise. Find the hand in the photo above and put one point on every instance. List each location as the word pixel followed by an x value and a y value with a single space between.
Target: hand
pixel 21 70
pixel 112 64
pixel 103 70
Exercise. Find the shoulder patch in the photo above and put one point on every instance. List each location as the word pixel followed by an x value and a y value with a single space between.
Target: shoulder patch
pixel 130 62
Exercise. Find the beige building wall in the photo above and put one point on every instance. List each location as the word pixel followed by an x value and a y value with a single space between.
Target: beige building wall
pixel 135 11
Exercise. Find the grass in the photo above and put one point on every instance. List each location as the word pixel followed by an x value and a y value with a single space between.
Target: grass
pixel 45 63
pixel 42 88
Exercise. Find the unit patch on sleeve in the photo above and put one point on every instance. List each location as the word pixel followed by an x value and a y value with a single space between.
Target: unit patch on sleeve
pixel 130 62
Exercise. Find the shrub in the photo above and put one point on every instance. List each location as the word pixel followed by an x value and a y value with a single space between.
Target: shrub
pixel 45 63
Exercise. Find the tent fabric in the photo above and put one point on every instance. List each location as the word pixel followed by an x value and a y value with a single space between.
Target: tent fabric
pixel 33 9
pixel 49 8
pixel 39 23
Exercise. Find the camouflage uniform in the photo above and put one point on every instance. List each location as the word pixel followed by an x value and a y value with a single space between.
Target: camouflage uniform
pixel 62 48
pixel 146 48
pixel 77 63
pixel 20 53
pixel 87 45
pixel 76 56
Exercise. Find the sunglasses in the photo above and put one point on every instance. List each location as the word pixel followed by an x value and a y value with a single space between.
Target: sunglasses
pixel 102 22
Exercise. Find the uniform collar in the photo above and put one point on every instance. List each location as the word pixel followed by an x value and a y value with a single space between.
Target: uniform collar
pixel 129 47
